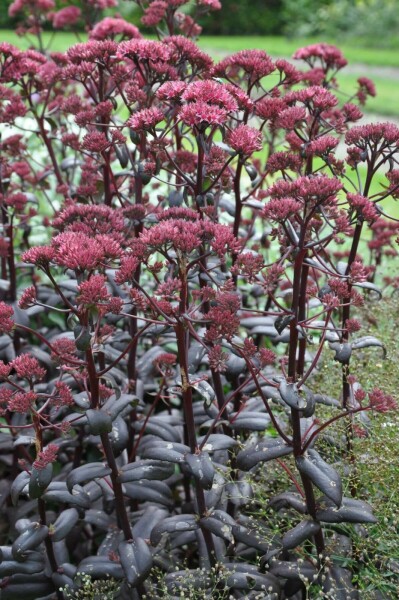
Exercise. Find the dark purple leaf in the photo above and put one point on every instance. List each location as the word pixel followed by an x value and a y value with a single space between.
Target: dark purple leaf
pixel 98 421
pixel 58 491
pixel 351 511
pixel 136 560
pixel 292 396
pixel 218 441
pixel 267 449
pixel 292 569
pixel 301 532
pixel 149 491
pixel 100 567
pixel 367 341
pixel 324 477
pixel 343 352
pixel 254 421
pixel 239 493
pixel 12 567
pixel 201 467
pixel 250 538
pixel 337 582
pixel 176 524
pixel 288 500
pixel 82 337
pixel 170 452
pixel 64 524
pixel 146 469
pixel 28 590
pixel 160 429
pixel 86 473
pixel 32 537
pixel 19 483
pixel 281 322
pixel 40 480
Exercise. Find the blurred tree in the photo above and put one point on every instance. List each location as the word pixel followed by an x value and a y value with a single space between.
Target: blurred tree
pixel 5 20
pixel 246 17
pixel 375 22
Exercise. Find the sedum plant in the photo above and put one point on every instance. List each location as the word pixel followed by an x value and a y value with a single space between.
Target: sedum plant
pixel 182 243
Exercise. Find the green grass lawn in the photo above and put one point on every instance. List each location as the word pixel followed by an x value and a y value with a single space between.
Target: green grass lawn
pixel 280 46
pixel 386 103
pixel 60 42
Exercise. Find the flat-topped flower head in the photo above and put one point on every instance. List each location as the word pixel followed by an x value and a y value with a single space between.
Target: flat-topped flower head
pixel 187 237
pixel 187 25
pixel 366 89
pixel 17 201
pixel 63 351
pixel 248 264
pixel 362 136
pixel 269 108
pixel 252 64
pixel 310 190
pixel 145 51
pixel 322 146
pixel 201 114
pixel 171 90
pixel 178 212
pixel 65 17
pixel 103 51
pixel 282 161
pixel 243 100
pixel 93 291
pixel 11 105
pixel 207 103
pixel 363 207
pixel 288 72
pixel 187 51
pixel 6 314
pixel 223 317
pixel 281 209
pixel 127 269
pixel 154 13
pixel 111 27
pixel 28 298
pixel 77 251
pixel 291 117
pixel 41 256
pixel 95 141
pixel 63 396
pixel 22 402
pixel 19 6
pixel 381 402
pixel 212 92
pixel 218 359
pixel 315 98
pixel 352 325
pixel 28 367
pixel 245 140
pixel 329 56
pixel 90 219
pixel 146 119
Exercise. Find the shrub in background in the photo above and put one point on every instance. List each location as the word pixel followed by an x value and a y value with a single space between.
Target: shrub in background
pixel 182 242
pixel 375 23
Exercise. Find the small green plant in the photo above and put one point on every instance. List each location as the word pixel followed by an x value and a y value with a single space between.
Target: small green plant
pixel 92 589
